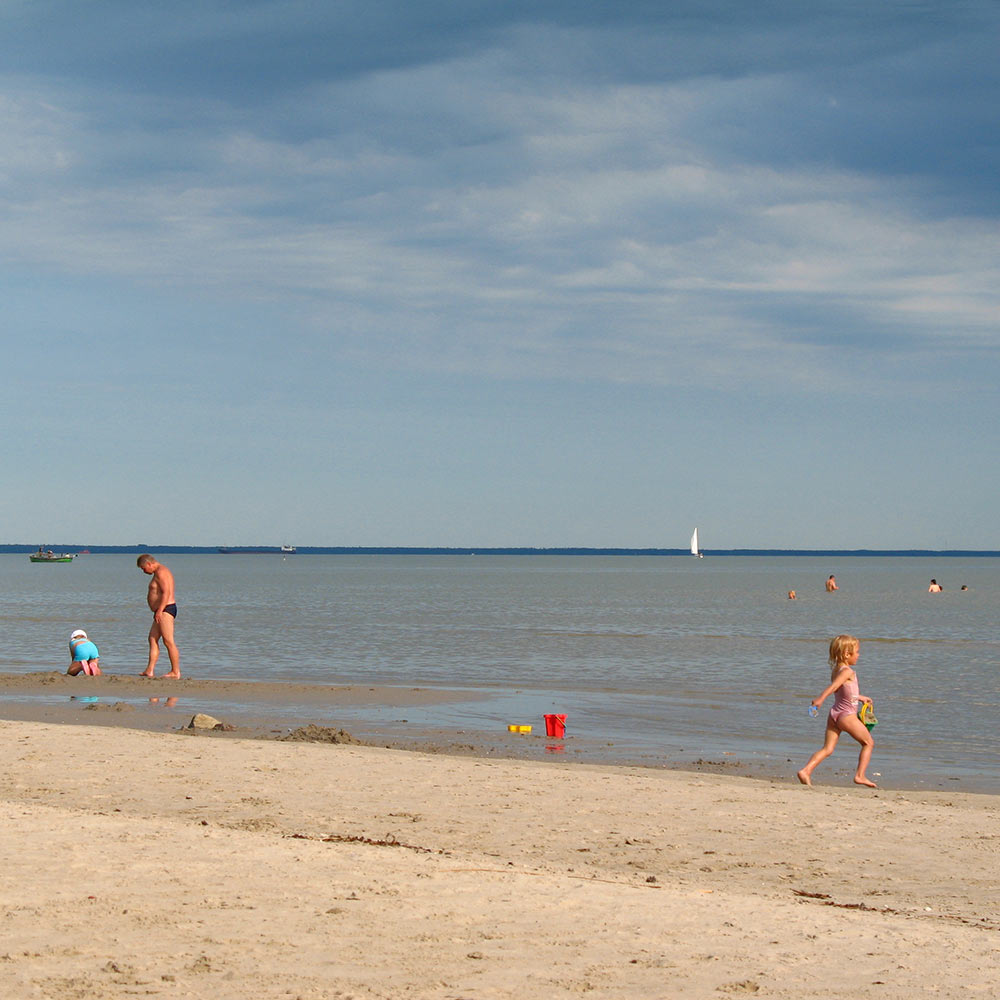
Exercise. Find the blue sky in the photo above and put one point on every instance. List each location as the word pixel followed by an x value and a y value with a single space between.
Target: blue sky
pixel 515 273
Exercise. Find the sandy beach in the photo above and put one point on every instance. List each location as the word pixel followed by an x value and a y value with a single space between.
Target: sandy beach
pixel 183 865
pixel 252 708
pixel 262 692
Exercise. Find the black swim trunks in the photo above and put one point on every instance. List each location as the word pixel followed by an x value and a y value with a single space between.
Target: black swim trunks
pixel 171 609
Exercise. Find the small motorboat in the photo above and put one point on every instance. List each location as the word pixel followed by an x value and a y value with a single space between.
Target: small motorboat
pixel 48 556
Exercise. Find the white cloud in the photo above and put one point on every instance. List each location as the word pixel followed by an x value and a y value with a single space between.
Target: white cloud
pixel 456 217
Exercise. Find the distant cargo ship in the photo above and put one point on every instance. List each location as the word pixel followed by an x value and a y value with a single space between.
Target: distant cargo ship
pixel 249 550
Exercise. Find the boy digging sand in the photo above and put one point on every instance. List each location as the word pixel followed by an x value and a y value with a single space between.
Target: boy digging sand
pixel 84 655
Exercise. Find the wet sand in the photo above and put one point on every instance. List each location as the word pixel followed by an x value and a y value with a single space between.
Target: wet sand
pixel 169 864
pixel 431 720
pixel 269 710
pixel 263 692
pixel 257 709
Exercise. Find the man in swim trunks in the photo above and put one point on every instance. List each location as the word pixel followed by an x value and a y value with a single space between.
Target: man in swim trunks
pixel 163 603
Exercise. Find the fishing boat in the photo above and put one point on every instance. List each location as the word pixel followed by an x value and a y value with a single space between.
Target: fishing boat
pixel 694 545
pixel 48 556
pixel 288 550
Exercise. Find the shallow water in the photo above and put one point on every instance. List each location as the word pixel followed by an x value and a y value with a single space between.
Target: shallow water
pixel 654 659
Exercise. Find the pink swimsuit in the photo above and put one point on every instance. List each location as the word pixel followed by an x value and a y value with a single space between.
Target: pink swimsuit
pixel 846 702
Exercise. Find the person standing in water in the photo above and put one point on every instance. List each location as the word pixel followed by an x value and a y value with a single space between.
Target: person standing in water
pixel 162 602
pixel 843 717
pixel 831 584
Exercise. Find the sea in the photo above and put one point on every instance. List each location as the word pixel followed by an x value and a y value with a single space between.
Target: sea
pixel 655 660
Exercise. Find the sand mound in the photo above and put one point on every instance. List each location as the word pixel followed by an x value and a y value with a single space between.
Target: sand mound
pixel 319 734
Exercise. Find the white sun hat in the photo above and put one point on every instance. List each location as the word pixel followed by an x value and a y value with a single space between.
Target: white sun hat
pixel 79 633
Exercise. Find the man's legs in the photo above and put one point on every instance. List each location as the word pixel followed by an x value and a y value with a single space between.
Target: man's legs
pixel 167 634
pixel 154 649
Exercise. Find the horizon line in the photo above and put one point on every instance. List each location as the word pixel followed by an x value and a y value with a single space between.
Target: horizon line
pixel 17 548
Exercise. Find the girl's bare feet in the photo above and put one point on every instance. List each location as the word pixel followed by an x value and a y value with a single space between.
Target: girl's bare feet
pixel 804 777
pixel 865 782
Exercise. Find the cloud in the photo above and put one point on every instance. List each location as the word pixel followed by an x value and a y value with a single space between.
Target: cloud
pixel 520 190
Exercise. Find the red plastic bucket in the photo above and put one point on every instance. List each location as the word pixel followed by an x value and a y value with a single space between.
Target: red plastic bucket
pixel 555 725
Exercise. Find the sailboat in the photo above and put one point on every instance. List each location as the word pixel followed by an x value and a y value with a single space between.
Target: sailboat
pixel 694 545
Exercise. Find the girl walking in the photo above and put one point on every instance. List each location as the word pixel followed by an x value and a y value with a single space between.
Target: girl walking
pixel 843 717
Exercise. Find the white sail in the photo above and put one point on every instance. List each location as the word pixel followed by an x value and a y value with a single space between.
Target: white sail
pixel 694 543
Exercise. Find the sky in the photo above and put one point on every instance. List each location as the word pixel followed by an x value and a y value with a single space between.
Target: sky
pixel 467 273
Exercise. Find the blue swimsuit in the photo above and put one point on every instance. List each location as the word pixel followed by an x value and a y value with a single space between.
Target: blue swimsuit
pixel 83 650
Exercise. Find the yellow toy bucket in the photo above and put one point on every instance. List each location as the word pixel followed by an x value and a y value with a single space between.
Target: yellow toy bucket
pixel 867 716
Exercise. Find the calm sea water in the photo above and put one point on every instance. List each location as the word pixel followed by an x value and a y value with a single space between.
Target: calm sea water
pixel 657 659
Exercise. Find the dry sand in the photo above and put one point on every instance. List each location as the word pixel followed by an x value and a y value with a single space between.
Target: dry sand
pixel 172 865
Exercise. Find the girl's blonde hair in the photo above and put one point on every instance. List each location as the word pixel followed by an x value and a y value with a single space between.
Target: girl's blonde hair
pixel 841 647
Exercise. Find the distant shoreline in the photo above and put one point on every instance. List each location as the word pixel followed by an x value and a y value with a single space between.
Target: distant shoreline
pixel 433 550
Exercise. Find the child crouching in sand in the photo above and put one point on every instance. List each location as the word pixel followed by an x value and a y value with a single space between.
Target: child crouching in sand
pixel 84 655
pixel 843 717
